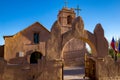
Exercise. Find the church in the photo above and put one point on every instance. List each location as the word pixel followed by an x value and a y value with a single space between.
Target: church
pixel 30 44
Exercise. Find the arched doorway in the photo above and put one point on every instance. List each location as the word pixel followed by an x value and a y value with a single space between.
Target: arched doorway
pixel 73 72
pixel 73 53
pixel 73 56
pixel 34 57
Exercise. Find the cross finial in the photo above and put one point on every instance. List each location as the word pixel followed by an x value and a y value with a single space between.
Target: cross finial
pixel 78 10
pixel 66 3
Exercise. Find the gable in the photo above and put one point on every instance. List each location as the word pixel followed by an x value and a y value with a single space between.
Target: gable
pixel 36 27
pixel 27 32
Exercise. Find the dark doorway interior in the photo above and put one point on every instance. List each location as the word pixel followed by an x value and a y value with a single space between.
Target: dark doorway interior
pixel 34 57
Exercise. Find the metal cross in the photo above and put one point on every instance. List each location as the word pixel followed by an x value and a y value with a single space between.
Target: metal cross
pixel 66 3
pixel 78 10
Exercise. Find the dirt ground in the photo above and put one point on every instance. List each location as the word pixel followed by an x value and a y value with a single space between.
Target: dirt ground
pixel 74 73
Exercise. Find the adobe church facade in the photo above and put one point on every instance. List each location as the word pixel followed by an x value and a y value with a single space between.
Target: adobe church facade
pixel 19 47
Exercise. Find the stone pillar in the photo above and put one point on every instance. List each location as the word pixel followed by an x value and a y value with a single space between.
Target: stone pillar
pixel 59 70
pixel 101 42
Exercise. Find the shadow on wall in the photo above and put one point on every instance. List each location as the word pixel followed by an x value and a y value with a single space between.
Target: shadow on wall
pixel 2 51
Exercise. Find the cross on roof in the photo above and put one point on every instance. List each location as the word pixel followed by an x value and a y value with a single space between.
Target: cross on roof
pixel 66 3
pixel 78 10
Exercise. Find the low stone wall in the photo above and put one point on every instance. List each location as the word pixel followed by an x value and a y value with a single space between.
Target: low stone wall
pixel 108 69
pixel 18 72
pixel 44 70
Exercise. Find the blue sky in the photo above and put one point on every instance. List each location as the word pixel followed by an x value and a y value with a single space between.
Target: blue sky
pixel 16 15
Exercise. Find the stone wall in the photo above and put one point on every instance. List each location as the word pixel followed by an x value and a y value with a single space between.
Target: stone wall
pixel 108 69
pixel 2 67
pixel 44 70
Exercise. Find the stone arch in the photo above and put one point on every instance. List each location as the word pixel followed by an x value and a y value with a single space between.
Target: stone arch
pixel 90 39
pixel 57 41
pixel 35 56
pixel 73 52
pixel 96 41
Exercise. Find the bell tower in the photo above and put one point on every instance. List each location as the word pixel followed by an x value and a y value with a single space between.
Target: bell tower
pixel 65 18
